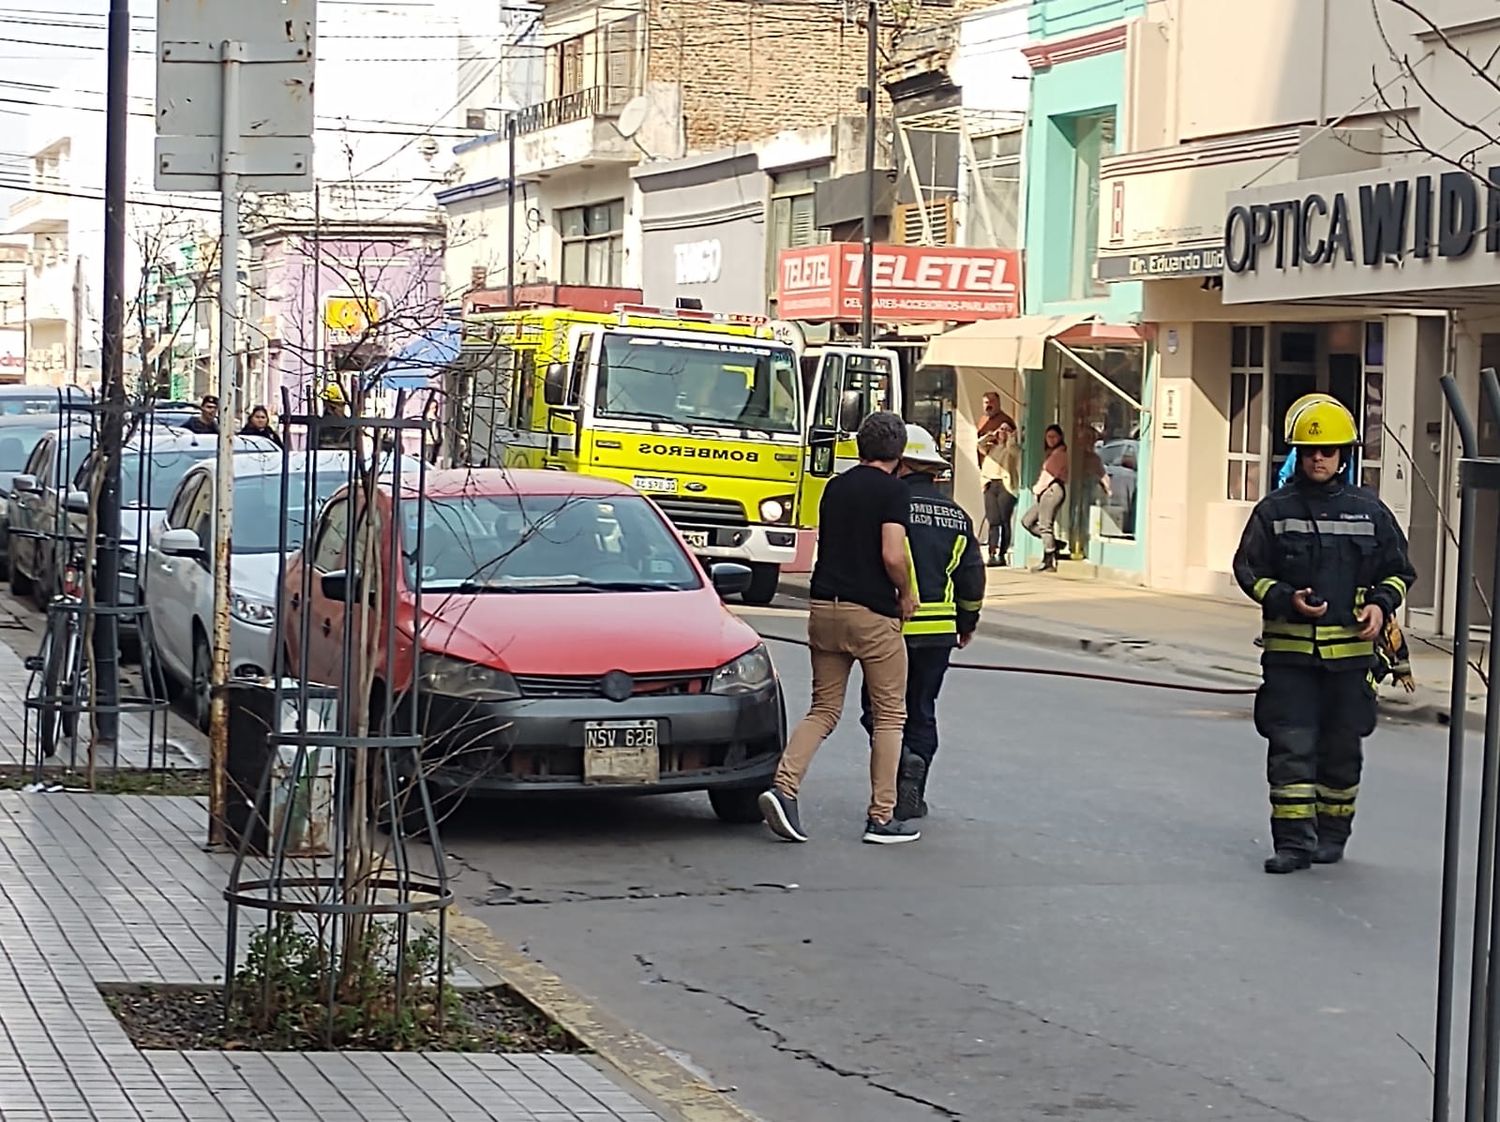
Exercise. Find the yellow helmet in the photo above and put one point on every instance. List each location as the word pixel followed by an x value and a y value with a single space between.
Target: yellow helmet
pixel 1325 424
pixel 1301 403
pixel 335 393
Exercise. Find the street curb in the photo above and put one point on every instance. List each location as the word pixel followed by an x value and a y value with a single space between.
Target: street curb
pixel 669 1085
pixel 1106 646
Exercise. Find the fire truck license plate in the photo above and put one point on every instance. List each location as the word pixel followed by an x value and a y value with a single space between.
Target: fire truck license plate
pixel 698 539
pixel 655 485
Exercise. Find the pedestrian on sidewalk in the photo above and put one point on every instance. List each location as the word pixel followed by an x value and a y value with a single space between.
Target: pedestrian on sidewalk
pixel 1000 469
pixel 258 423
pixel 861 592
pixel 1328 564
pixel 206 423
pixel 994 417
pixel 948 572
pixel 1051 491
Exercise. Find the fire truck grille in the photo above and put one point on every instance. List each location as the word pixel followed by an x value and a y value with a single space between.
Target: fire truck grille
pixel 688 513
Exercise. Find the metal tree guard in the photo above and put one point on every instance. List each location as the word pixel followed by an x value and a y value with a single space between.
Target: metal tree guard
pixel 1482 1057
pixel 59 690
pixel 327 892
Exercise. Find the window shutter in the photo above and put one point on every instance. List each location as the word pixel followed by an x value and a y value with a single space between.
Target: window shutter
pixel 909 229
pixel 802 231
pixel 619 65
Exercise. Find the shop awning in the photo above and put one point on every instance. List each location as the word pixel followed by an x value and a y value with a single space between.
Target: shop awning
pixel 1005 344
pixel 420 359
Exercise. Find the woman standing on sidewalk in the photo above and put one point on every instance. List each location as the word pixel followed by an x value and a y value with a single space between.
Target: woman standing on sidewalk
pixel 1000 468
pixel 1051 490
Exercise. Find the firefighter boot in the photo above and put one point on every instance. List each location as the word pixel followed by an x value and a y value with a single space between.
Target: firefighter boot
pixel 911 786
pixel 1335 822
pixel 1333 835
pixel 1294 840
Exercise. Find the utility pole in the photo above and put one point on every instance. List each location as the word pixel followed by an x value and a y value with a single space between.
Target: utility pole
pixel 231 54
pixel 112 363
pixel 510 210
pixel 867 266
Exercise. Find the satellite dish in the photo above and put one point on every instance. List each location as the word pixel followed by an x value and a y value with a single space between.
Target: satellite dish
pixel 632 116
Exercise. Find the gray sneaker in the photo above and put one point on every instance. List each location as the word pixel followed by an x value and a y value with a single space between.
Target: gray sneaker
pixel 780 813
pixel 893 832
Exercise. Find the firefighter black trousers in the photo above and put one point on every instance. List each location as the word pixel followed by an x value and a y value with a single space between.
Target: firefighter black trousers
pixel 926 667
pixel 1314 720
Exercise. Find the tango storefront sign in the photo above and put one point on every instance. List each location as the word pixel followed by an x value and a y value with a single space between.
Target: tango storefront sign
pixel 1423 228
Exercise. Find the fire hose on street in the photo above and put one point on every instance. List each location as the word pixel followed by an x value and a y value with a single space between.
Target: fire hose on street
pixel 1082 675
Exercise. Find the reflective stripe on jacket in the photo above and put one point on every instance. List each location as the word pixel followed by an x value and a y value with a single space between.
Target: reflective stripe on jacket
pixel 947 567
pixel 1344 544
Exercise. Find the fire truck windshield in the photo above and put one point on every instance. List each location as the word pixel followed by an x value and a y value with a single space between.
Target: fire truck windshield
pixel 693 383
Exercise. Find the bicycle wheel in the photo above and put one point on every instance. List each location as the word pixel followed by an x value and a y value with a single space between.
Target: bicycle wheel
pixel 45 683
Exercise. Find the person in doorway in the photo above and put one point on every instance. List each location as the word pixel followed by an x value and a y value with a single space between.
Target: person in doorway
pixel 948 572
pixel 335 408
pixel 1329 567
pixel 1000 469
pixel 861 592
pixel 259 424
pixel 1050 491
pixel 994 417
pixel 207 420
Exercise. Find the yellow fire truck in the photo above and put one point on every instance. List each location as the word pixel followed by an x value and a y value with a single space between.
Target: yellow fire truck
pixel 700 411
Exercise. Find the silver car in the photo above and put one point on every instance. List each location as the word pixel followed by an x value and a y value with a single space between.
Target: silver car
pixel 178 570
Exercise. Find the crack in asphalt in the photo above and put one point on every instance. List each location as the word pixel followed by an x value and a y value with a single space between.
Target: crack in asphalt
pixel 1125 1049
pixel 782 1043
pixel 504 894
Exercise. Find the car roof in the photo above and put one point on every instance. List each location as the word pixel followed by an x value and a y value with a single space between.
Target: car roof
pixel 165 438
pixel 248 464
pixel 449 482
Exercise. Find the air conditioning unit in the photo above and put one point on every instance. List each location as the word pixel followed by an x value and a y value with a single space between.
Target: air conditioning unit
pixel 908 226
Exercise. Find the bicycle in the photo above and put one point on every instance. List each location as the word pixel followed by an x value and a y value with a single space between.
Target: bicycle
pixel 59 681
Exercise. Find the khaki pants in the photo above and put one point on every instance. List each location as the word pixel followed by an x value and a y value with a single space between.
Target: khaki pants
pixel 840 635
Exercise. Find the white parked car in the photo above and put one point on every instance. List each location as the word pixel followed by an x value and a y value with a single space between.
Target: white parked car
pixel 179 584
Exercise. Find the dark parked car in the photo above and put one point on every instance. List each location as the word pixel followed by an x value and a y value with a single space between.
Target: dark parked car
pixel 19 435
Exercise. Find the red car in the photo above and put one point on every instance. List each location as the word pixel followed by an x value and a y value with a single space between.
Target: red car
pixel 569 641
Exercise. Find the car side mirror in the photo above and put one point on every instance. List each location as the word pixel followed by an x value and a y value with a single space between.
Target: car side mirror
pixel 77 502
pixel 23 484
pixel 340 587
pixel 729 578
pixel 851 410
pixel 555 390
pixel 183 543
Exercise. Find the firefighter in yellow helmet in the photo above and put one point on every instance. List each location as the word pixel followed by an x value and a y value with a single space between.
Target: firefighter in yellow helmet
pixel 335 408
pixel 1329 567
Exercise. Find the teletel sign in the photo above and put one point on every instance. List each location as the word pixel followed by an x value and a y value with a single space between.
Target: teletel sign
pixel 909 283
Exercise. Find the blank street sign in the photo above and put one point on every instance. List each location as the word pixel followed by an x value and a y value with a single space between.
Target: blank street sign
pixel 276 92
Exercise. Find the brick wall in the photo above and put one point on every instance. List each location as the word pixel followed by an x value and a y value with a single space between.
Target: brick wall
pixel 751 68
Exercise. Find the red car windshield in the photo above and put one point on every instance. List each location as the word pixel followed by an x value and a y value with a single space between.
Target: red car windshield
pixel 543 543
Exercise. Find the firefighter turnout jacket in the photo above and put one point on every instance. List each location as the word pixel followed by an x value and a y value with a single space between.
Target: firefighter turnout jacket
pixel 1341 542
pixel 947 567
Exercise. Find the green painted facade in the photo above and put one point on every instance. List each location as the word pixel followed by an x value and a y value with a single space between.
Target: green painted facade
pixel 1069 103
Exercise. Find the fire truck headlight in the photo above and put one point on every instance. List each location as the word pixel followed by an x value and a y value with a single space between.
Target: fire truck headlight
pixel 775 510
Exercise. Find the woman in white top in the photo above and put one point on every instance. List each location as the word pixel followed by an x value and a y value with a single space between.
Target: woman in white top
pixel 1000 468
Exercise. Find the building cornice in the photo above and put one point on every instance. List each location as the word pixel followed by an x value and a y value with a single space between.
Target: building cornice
pixel 1073 48
pixel 1205 153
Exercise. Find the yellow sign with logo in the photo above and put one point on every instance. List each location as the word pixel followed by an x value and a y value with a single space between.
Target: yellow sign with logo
pixel 353 314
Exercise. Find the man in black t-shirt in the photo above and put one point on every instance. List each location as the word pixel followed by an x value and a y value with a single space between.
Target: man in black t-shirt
pixel 861 593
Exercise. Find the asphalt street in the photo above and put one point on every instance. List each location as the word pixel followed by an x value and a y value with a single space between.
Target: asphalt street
pixel 1083 931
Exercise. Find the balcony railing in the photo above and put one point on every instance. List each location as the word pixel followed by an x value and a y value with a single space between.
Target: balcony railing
pixel 576 106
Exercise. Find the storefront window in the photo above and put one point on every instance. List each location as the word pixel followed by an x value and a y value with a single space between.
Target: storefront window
pixel 1373 445
pixel 1247 404
pixel 1096 395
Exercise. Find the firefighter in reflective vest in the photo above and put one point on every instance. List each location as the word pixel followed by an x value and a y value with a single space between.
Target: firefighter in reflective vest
pixel 1328 565
pixel 947 568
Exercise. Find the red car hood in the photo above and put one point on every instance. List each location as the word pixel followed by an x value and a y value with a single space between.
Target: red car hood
pixel 582 633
